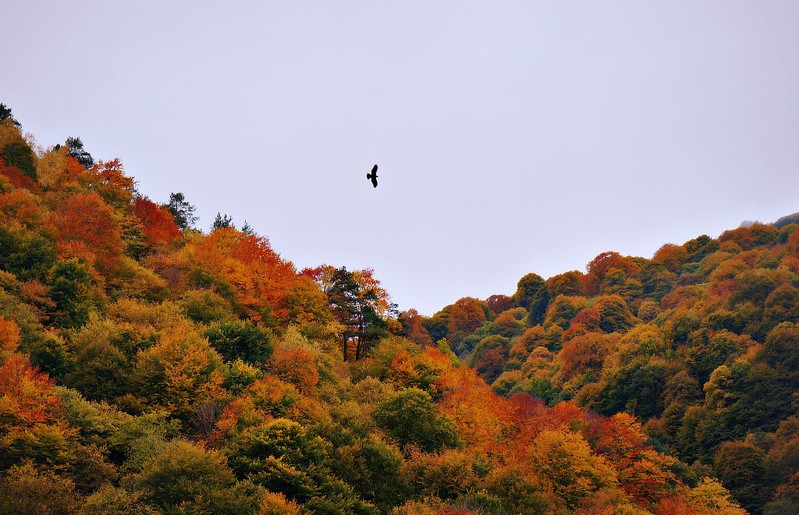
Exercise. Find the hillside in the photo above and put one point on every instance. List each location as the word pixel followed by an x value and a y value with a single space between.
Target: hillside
pixel 700 343
pixel 149 367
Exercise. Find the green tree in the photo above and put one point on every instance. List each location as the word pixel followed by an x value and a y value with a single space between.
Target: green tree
pixel 222 222
pixel 72 290
pixel 527 289
pixel 745 397
pixel 355 307
pixel 563 309
pixel 19 154
pixel 636 388
pixel 25 254
pixel 5 114
pixel 489 356
pixel 375 471
pixel 185 478
pixel 412 418
pixel 101 371
pixel 284 457
pixel 740 468
pixel 111 500
pixel 240 339
pixel 76 150
pixel 614 315
pixel 181 210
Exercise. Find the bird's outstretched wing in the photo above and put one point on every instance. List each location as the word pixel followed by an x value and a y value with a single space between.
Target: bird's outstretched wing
pixel 373 176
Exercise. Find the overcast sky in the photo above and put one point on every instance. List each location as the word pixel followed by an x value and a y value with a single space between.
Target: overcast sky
pixel 512 136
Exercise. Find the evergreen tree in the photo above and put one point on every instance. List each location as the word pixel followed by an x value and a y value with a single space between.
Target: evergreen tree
pixel 222 222
pixel 181 210
pixel 76 150
pixel 5 114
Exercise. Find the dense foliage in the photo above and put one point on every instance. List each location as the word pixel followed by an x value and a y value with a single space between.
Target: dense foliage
pixel 148 367
pixel 700 344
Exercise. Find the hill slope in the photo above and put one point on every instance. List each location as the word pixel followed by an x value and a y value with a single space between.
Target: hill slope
pixel 699 343
pixel 147 367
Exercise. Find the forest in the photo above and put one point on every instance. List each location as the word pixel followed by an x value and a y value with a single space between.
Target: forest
pixel 148 366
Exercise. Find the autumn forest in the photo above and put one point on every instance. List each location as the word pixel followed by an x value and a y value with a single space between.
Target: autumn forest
pixel 148 366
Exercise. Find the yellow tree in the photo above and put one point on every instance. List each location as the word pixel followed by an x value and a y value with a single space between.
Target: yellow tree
pixel 179 372
pixel 565 459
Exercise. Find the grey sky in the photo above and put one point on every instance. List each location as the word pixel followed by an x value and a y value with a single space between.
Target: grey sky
pixel 512 137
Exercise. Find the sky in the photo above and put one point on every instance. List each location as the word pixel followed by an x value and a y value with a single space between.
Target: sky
pixel 511 136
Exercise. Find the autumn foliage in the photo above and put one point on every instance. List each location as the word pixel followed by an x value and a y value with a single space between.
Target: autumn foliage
pixel 150 367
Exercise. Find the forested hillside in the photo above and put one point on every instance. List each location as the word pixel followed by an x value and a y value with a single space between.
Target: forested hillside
pixel 150 367
pixel 700 344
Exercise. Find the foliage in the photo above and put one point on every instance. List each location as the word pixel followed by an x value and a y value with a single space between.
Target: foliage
pixel 182 211
pixel 147 367
pixel 81 155
pixel 412 419
pixel 240 340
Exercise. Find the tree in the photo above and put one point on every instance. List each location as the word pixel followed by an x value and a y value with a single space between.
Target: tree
pixel 296 365
pixel 158 224
pixel 72 290
pixel 101 371
pixel 568 283
pixel 413 327
pixel 185 478
pixel 465 317
pixel 561 311
pixel 284 457
pixel 412 419
pixel 9 337
pixel 518 491
pixel 111 500
pixel 108 179
pixel 240 339
pixel 5 114
pixel 500 303
pixel 374 469
pixel 781 350
pixel 745 397
pixel 671 256
pixel 709 496
pixel 607 261
pixel 27 490
pixel 76 150
pixel 446 475
pixel 88 228
pixel 614 315
pixel 527 289
pixel 739 467
pixel 179 372
pixel 25 253
pixel 20 155
pixel 566 460
pixel 222 222
pixel 181 210
pixel 584 354
pixel 356 308
pixel 489 356
pixel 636 388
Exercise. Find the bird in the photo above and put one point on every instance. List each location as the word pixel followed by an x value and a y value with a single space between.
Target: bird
pixel 373 176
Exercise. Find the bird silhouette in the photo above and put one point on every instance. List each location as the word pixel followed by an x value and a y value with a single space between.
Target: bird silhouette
pixel 373 176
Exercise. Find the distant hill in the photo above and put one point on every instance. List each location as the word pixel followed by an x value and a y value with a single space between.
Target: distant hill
pixel 787 220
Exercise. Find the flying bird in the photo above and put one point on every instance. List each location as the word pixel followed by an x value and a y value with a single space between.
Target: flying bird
pixel 373 176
